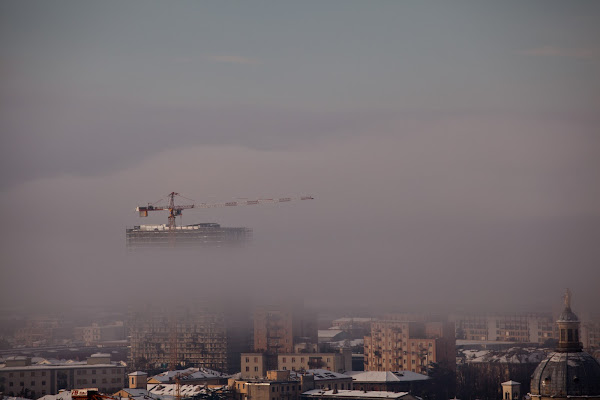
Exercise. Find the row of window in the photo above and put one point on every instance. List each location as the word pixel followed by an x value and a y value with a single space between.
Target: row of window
pixel 93 372
pixel 104 380
pixel 11 383
pixel 22 374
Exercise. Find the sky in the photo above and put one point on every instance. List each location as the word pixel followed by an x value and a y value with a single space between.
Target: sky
pixel 451 148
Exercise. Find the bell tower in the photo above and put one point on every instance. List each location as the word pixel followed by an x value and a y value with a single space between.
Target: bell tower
pixel 568 328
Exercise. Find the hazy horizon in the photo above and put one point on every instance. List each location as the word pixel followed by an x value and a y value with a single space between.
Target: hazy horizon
pixel 452 150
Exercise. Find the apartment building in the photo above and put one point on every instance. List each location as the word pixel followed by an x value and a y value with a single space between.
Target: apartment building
pixel 20 377
pixel 96 333
pixel 199 338
pixel 277 328
pixel 397 345
pixel 523 328
pixel 254 365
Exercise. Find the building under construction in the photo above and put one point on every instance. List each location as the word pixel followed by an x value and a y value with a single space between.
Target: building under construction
pixel 171 235
pixel 200 338
pixel 205 234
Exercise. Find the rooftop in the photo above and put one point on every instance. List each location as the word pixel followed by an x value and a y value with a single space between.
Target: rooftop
pixel 357 394
pixel 386 376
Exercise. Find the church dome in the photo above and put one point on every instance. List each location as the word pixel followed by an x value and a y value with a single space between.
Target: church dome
pixel 569 372
pixel 564 374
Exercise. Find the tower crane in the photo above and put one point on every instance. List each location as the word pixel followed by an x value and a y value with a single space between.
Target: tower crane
pixel 175 210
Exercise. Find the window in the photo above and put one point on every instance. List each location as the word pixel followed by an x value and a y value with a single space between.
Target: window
pixel 255 369
pixel 283 359
pixel 293 360
pixel 93 381
pixel 413 362
pixel 32 373
pixel 22 374
pixel 103 380
pixel 284 368
pixel 247 359
pixel 255 359
pixel 32 383
pixel 10 384
pixel 273 389
pixel 247 369
pixel 103 372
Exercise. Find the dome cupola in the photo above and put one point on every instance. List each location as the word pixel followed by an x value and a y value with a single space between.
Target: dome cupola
pixel 569 372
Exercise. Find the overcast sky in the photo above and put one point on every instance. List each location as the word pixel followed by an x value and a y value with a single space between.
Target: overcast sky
pixel 451 147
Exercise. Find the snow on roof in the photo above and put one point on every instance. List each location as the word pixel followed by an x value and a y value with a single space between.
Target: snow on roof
pixel 344 343
pixel 510 383
pixel 386 376
pixel 329 333
pixel 514 355
pixel 321 374
pixel 355 394
pixel 64 395
pixel 138 373
pixel 61 364
pixel 189 374
pixel 185 390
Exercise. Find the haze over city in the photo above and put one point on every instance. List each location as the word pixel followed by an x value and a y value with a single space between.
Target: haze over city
pixel 451 148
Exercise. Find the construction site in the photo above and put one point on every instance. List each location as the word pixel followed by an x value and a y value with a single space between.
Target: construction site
pixel 201 234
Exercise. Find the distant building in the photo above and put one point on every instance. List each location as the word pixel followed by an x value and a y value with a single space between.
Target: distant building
pixel 523 328
pixel 278 328
pixel 399 344
pixel 20 377
pixel 254 365
pixel 204 338
pixel 282 329
pixel 356 327
pixel 96 334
